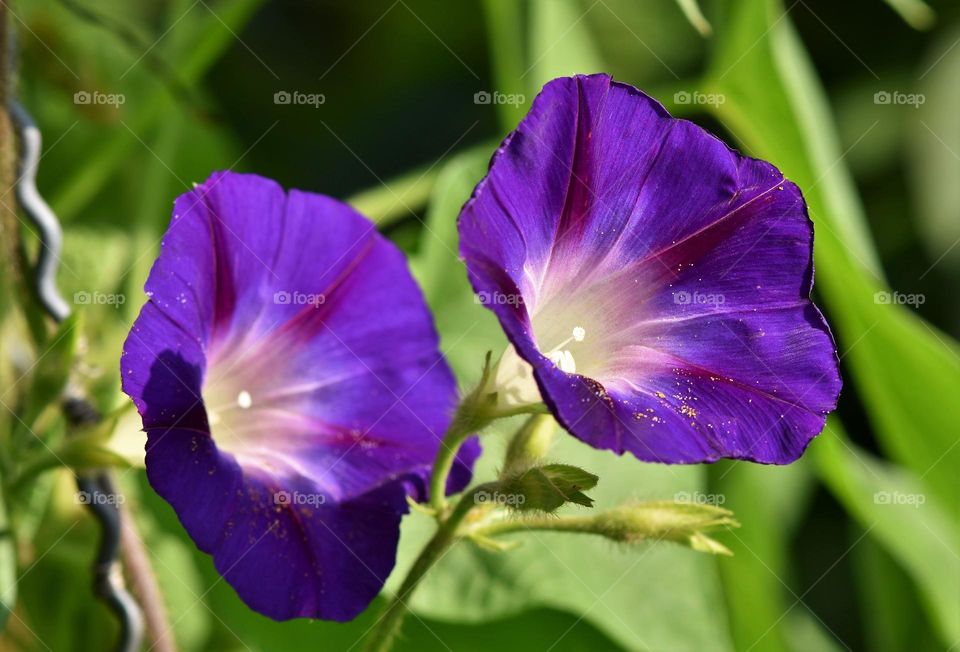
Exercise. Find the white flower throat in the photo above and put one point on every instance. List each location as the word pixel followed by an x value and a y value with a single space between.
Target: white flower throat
pixel 513 379
pixel 562 357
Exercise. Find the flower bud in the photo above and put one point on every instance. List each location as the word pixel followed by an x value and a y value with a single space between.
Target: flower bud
pixel 683 523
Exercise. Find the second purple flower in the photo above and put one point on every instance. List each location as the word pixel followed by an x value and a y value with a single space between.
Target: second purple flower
pixel 287 373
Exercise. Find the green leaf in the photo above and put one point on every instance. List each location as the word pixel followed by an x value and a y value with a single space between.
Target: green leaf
pixel 505 26
pixel 396 198
pixel 691 10
pixel 87 453
pixel 915 13
pixel 56 608
pixel 906 371
pixel 199 40
pixel 896 508
pixel 560 43
pixel 547 488
pixel 84 452
pixel 51 372
pixel 893 614
pixel 467 328
pixel 769 500
pixel 805 632
pixel 933 145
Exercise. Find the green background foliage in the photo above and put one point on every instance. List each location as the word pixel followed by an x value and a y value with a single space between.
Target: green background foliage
pixel 853 547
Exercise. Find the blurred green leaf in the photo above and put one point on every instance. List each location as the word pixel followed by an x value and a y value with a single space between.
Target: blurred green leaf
pixel 202 36
pixel 77 453
pixel 397 198
pixel 915 13
pixel 769 502
pixel 467 328
pixel 895 507
pixel 51 370
pixel 57 609
pixel 87 452
pixel 505 26
pixel 691 10
pixel 890 605
pixel 933 144
pixel 907 372
pixel 806 633
pixel 560 43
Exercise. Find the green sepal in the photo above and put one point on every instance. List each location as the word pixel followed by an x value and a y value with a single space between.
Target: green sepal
pixel 547 488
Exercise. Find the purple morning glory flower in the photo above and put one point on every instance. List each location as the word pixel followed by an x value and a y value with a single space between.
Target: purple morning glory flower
pixel 654 283
pixel 292 392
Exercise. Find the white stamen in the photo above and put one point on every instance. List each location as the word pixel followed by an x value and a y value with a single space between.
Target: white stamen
pixel 579 332
pixel 564 360
pixel 244 400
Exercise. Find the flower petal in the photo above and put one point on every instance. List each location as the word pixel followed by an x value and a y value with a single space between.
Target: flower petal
pixel 286 348
pixel 286 560
pixel 668 276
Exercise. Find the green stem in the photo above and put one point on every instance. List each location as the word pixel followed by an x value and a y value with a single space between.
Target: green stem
pixel 389 623
pixel 476 411
pixel 465 423
pixel 581 524
pixel 472 416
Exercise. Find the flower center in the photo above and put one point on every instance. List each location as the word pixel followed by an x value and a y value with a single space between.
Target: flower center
pixel 250 402
pixel 243 401
pixel 562 357
pixel 513 379
pixel 580 330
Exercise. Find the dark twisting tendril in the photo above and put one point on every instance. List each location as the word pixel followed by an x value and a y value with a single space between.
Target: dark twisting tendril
pixel 97 488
